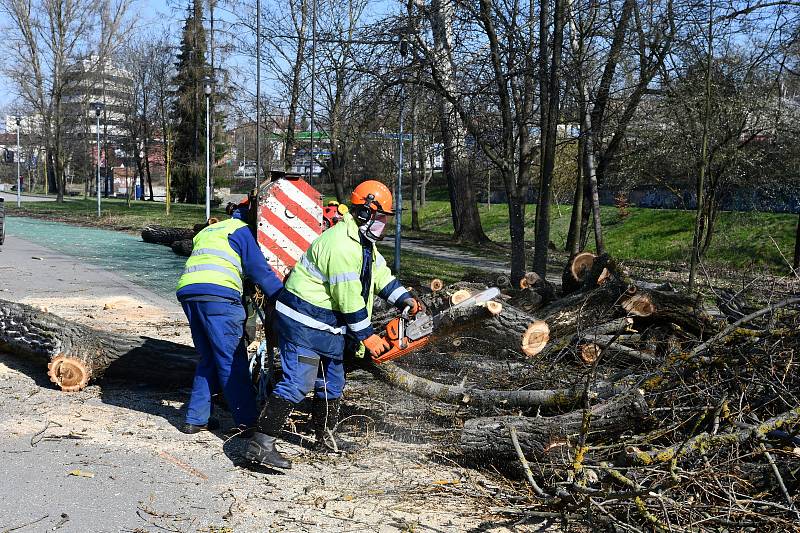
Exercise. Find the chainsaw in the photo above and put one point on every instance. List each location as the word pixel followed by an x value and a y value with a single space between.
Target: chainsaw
pixel 405 334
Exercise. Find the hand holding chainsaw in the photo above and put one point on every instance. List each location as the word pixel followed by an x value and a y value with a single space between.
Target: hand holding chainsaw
pixel 412 330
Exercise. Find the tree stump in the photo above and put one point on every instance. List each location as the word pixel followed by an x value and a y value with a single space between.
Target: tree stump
pixel 576 271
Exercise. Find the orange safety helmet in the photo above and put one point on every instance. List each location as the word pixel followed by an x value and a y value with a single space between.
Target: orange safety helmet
pixel 373 195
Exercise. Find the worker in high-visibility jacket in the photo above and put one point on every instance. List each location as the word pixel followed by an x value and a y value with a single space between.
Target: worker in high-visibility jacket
pixel 210 291
pixel 327 301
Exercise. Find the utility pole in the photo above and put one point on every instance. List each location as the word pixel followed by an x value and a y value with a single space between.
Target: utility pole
pixel 167 169
pixel 313 82
pixel 207 89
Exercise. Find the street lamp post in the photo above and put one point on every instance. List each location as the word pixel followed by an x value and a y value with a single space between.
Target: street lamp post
pixel 98 108
pixel 207 89
pixel 19 180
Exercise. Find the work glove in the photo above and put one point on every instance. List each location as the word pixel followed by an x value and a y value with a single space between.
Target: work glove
pixel 376 345
pixel 413 305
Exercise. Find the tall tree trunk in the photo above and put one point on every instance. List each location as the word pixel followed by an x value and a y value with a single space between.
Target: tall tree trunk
pixel 589 170
pixel 573 245
pixel 516 226
pixel 463 206
pixel 704 163
pixel 550 130
pixel 796 262
pixel 413 157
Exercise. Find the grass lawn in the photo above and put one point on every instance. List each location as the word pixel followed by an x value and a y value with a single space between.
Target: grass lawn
pixel 115 214
pixel 741 240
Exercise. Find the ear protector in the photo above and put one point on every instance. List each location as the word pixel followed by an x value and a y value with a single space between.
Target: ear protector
pixel 363 213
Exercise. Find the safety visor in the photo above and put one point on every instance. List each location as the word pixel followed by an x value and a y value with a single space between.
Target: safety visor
pixel 381 217
pixel 379 209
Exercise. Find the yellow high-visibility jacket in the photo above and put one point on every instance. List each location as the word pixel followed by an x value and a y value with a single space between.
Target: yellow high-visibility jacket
pixel 331 289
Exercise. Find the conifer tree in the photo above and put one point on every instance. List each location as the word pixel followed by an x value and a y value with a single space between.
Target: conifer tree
pixel 189 110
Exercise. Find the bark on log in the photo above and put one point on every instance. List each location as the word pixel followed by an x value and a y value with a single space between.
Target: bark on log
pixel 489 437
pixel 183 247
pixel 597 304
pixel 166 235
pixel 458 394
pixel 76 354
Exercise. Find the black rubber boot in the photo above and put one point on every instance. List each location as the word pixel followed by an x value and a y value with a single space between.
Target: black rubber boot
pixel 325 417
pixel 191 429
pixel 261 447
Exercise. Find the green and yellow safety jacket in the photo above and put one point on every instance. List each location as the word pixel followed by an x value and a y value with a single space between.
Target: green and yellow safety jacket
pixel 213 260
pixel 331 289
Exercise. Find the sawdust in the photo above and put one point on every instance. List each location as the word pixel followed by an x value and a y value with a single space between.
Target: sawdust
pixel 121 314
pixel 118 432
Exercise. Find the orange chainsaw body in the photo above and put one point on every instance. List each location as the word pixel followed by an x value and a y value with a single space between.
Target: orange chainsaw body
pixel 400 344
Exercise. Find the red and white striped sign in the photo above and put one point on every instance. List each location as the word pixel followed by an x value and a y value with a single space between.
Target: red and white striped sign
pixel 289 218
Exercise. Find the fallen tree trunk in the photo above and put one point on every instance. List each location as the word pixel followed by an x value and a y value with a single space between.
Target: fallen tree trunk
pixel 183 247
pixel 458 394
pixel 76 354
pixel 165 234
pixel 489 437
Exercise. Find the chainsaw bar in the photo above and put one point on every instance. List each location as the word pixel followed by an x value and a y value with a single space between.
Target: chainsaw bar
pixel 424 325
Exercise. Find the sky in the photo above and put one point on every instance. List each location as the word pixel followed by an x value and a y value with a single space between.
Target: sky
pixel 166 17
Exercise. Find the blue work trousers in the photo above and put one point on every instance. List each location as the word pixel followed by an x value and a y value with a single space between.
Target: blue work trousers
pixel 217 331
pixel 305 370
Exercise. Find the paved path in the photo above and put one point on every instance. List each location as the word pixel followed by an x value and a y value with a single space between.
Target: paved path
pixel 452 255
pixel 12 197
pixel 463 258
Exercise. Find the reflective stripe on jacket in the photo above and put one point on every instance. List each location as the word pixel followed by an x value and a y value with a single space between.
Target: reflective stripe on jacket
pixel 323 295
pixel 213 260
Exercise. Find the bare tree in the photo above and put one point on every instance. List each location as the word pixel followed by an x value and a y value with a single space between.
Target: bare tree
pixel 45 37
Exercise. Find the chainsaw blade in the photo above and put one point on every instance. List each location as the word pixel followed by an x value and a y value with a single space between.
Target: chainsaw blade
pixel 424 325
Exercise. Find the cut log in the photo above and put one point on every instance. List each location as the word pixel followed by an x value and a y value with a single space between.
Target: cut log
pixel 494 308
pixel 589 352
pixel 183 248
pixel 638 305
pixel 76 354
pixel 437 285
pixel 462 394
pixel 166 235
pixel 535 338
pixel 575 271
pixel 489 437
pixel 459 296
pixel 530 280
pixel 618 296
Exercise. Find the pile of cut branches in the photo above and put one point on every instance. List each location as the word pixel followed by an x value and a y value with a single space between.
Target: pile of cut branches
pixel 640 408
